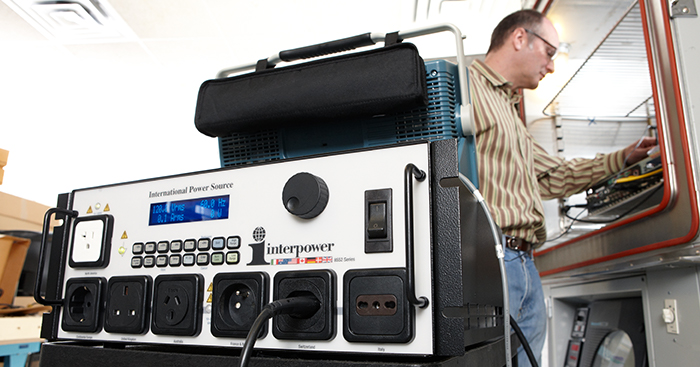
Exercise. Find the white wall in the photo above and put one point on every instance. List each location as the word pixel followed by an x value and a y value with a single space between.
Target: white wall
pixel 81 116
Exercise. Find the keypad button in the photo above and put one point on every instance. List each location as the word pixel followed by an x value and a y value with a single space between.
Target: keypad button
pixel 150 248
pixel 217 258
pixel 137 248
pixel 175 260
pixel 203 259
pixel 149 261
pixel 233 242
pixel 161 261
pixel 203 244
pixel 232 257
pixel 176 246
pixel 163 247
pixel 218 243
pixel 188 259
pixel 190 245
pixel 136 262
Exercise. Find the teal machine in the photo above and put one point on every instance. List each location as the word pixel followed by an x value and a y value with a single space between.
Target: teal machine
pixel 447 116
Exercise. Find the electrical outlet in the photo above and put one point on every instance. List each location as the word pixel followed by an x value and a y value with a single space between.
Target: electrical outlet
pixel 670 315
pixel 237 300
pixel 92 237
pixel 177 304
pixel 375 308
pixel 82 311
pixel 319 284
pixel 128 300
pixel 376 305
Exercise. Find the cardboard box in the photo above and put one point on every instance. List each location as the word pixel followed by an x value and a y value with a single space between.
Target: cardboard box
pixel 13 250
pixel 20 328
pixel 18 214
pixel 3 162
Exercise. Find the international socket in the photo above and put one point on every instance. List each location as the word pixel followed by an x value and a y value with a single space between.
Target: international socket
pixel 128 302
pixel 375 306
pixel 237 299
pixel 177 304
pixel 82 305
pixel 92 239
pixel 319 284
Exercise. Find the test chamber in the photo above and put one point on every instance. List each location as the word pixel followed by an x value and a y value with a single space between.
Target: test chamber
pixel 646 257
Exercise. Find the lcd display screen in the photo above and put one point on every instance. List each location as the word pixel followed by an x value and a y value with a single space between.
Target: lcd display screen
pixel 192 210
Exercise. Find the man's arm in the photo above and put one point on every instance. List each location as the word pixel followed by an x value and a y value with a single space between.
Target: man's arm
pixel 558 178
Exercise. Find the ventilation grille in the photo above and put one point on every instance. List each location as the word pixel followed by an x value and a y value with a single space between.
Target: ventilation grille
pixel 245 148
pixel 435 121
pixel 74 21
pixel 482 316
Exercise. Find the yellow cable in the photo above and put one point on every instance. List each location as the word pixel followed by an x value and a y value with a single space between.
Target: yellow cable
pixel 634 178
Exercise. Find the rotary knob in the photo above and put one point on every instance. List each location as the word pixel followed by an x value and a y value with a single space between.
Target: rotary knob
pixel 305 195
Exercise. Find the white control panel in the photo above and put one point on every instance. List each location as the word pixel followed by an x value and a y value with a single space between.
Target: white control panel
pixel 191 259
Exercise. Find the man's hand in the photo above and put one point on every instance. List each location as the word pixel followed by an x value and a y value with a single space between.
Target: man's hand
pixel 638 150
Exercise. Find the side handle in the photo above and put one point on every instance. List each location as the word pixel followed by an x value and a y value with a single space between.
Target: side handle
pixel 44 236
pixel 409 172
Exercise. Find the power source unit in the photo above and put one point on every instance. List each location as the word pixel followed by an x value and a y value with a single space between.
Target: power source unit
pixel 389 241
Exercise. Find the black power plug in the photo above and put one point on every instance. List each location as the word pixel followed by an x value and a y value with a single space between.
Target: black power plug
pixel 301 307
pixel 177 304
pixel 82 306
pixel 237 299
pixel 128 300
pixel 315 284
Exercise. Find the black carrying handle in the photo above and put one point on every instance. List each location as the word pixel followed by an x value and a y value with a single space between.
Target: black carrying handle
pixel 40 269
pixel 327 48
pixel 410 171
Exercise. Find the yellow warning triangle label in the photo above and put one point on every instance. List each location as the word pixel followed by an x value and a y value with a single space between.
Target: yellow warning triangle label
pixel 209 300
pixel 124 236
pixel 211 287
pixel 106 208
pixel 89 210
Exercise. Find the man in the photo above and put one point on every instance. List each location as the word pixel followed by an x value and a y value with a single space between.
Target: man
pixel 516 173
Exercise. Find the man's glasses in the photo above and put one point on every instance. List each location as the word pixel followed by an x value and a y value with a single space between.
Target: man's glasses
pixel 551 53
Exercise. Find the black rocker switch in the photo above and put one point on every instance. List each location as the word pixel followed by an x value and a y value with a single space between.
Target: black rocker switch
pixel 376 226
pixel 378 236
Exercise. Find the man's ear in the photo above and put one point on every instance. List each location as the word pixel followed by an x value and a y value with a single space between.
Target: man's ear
pixel 518 38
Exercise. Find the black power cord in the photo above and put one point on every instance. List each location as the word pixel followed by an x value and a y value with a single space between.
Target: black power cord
pixel 523 341
pixel 302 307
pixel 568 228
pixel 575 219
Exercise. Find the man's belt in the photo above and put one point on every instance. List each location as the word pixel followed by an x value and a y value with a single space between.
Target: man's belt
pixel 518 244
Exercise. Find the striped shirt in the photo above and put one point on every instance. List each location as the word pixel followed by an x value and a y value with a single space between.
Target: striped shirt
pixel 515 172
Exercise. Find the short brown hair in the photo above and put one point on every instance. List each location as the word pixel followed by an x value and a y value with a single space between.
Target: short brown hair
pixel 528 19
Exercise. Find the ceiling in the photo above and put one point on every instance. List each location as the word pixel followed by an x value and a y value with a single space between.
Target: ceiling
pixel 216 33
pixel 185 33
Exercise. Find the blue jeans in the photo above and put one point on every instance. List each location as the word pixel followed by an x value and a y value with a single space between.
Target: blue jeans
pixel 526 302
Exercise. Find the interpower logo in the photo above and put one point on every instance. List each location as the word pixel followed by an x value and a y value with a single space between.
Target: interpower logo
pixel 268 254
